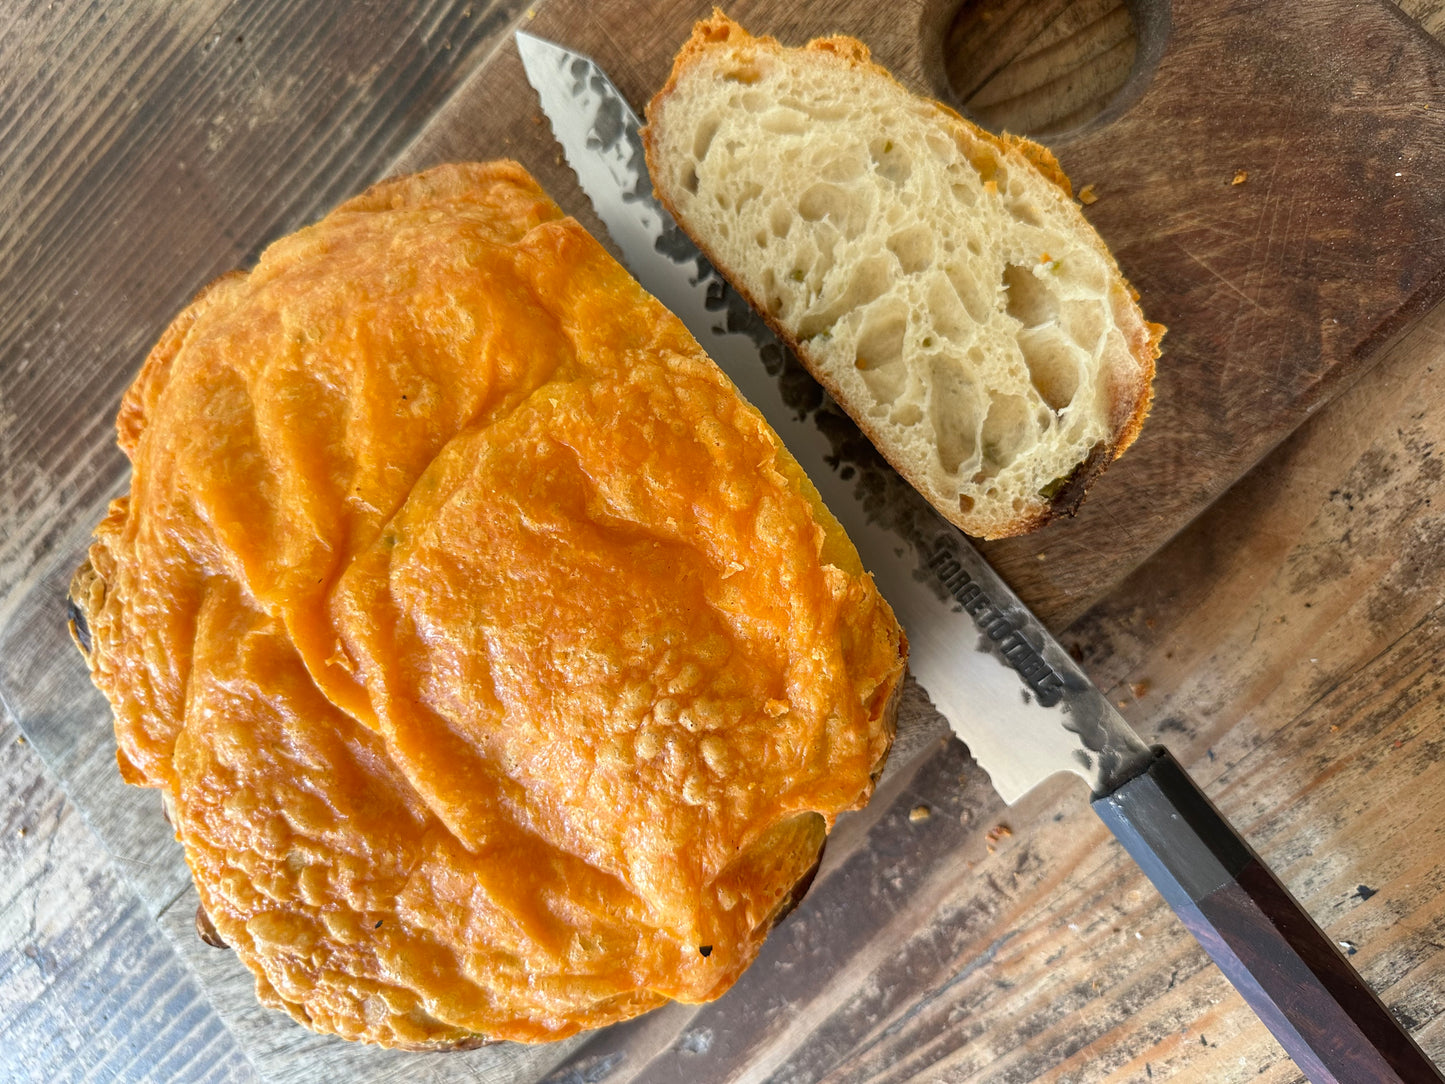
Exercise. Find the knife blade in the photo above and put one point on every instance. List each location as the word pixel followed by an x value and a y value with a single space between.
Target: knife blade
pixel 1009 690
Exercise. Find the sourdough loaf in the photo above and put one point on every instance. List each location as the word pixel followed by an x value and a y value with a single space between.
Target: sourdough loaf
pixel 939 281
pixel 501 671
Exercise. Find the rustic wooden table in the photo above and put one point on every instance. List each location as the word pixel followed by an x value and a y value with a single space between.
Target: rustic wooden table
pixel 1288 644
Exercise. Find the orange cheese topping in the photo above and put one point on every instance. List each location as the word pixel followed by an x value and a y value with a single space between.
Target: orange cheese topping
pixel 495 655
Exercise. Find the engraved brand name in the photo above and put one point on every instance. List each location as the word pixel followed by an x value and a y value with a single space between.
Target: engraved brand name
pixel 1042 678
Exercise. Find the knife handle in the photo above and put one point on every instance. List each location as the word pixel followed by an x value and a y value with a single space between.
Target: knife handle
pixel 1294 977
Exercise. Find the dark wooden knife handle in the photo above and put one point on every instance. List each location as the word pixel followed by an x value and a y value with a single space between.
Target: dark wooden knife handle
pixel 1294 977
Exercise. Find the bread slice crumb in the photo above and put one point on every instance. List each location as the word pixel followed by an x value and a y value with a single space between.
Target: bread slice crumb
pixel 939 281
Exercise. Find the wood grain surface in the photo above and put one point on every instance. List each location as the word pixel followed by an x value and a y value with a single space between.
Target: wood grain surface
pixel 1039 68
pixel 1287 643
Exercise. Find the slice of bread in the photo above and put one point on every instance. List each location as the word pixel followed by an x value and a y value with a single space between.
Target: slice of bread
pixel 939 281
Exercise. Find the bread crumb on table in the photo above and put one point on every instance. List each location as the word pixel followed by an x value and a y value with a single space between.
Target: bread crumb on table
pixel 1087 195
pixel 1240 176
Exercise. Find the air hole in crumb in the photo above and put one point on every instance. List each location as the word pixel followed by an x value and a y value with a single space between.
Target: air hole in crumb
pixel 780 219
pixel 891 160
pixel 751 191
pixel 1084 322
pixel 953 409
pixel 969 292
pixel 870 280
pixel 913 247
pixel 689 179
pixel 946 308
pixel 907 414
pixel 1006 431
pixel 780 120
pixel 824 201
pixel 845 164
pixel 1025 212
pixel 1029 300
pixel 1053 363
pixel 774 295
pixel 702 140
pixel 880 354
pixel 818 110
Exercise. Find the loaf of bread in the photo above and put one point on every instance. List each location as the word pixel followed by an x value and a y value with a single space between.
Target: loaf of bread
pixel 939 281
pixel 502 672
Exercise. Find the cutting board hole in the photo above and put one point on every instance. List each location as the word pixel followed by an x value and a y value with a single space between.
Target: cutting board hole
pixel 1046 68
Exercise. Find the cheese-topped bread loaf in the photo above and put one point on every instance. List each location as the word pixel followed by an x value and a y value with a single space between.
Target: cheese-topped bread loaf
pixel 939 281
pixel 502 671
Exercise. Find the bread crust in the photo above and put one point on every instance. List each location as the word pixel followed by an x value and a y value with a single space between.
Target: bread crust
pixel 491 652
pixel 1130 400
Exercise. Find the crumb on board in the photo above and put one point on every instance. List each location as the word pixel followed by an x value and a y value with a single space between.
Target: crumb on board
pixel 1240 176
pixel 919 813
pixel 996 833
pixel 1140 688
pixel 1087 195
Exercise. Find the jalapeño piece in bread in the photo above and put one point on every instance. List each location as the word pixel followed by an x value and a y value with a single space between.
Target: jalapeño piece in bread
pixel 502 672
pixel 939 281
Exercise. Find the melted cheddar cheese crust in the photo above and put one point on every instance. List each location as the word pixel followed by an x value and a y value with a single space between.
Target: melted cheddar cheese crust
pixel 495 658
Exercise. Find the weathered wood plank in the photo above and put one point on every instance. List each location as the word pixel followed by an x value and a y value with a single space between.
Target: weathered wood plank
pixel 68 724
pixel 920 954
pixel 82 963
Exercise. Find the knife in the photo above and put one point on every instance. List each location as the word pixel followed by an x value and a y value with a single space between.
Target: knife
pixel 1015 697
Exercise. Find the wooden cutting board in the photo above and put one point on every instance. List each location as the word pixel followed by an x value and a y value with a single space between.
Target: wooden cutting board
pixel 1277 290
